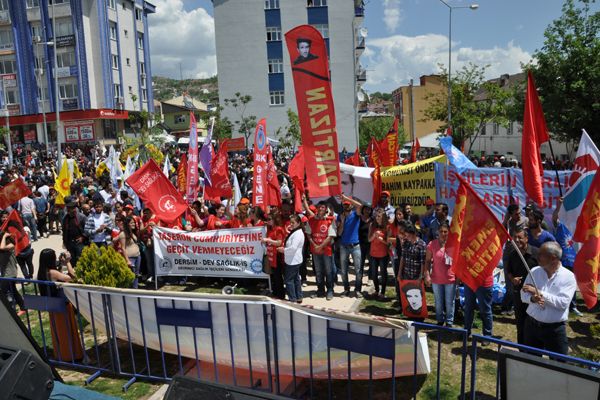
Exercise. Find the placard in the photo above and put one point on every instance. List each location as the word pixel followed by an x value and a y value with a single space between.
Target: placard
pixel 234 253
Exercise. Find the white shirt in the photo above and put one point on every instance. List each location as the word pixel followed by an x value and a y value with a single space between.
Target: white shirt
pixel 292 252
pixel 557 291
pixel 27 205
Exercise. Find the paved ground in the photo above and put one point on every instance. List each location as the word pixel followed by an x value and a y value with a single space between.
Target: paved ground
pixel 348 304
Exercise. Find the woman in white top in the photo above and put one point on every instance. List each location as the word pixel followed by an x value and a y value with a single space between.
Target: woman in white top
pixel 292 254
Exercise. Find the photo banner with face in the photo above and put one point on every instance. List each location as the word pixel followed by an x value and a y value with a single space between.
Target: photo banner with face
pixel 412 184
pixel 310 69
pixel 412 296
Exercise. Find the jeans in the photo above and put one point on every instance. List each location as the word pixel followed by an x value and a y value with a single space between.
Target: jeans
pixel 135 261
pixel 444 302
pixel 293 284
pixel 483 296
pixel 29 220
pixel 323 272
pixel 379 264
pixel 345 251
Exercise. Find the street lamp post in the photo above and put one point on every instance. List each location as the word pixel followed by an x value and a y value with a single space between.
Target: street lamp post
pixel 39 74
pixel 57 94
pixel 450 8
pixel 7 115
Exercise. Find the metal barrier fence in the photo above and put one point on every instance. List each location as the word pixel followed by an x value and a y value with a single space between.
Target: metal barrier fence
pixel 252 344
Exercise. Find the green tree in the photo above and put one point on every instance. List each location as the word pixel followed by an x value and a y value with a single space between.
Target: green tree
pixel 376 127
pixel 148 137
pixel 378 96
pixel 289 137
pixel 567 73
pixel 245 123
pixel 475 103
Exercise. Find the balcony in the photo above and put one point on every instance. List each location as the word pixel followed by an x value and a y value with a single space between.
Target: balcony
pixel 361 76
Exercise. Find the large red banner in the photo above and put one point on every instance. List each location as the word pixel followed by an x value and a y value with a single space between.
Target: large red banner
pixel 182 174
pixel 310 68
pixel 157 193
pixel 259 179
pixel 192 162
pixel 389 146
pixel 13 192
pixel 219 185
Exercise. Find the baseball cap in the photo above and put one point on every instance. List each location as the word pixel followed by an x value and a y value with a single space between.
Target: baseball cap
pixel 244 200
pixel 128 207
pixel 304 219
pixel 385 193
pixel 346 202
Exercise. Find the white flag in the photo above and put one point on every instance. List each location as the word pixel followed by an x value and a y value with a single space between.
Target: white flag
pixel 584 169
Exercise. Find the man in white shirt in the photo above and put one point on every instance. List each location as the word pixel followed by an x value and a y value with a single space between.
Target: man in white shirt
pixel 548 310
pixel 27 208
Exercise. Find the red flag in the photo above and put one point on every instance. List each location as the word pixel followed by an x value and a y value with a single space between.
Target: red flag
pixel 192 162
pixel 157 192
pixel 587 232
pixel 374 153
pixel 13 192
pixel 534 134
pixel 219 185
pixel 376 177
pixel 14 226
pixel 182 174
pixel 259 175
pixel 273 190
pixel 354 159
pixel 415 150
pixel 389 146
pixel 296 172
pixel 310 69
pixel 476 238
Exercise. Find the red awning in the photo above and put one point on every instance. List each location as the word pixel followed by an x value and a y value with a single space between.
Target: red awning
pixel 69 116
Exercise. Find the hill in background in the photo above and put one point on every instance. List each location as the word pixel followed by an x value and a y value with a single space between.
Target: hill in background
pixel 205 90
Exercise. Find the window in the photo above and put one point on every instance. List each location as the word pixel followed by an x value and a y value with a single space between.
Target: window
pixel 36 29
pixel 115 61
pixel 113 31
pixel 495 128
pixel 271 4
pixel 323 30
pixel 3 5
pixel 117 90
pixel 43 93
pixel 58 1
pixel 273 33
pixel 127 62
pixel 38 62
pixel 275 66
pixel 484 130
pixel 124 6
pixel 7 66
pixel 144 95
pixel 111 4
pixel 64 27
pixel 140 41
pixel 143 82
pixel 68 90
pixel 12 97
pixel 66 59
pixel 33 3
pixel 6 40
pixel 138 14
pixel 509 129
pixel 125 33
pixel 142 68
pixel 179 119
pixel 276 98
pixel 316 3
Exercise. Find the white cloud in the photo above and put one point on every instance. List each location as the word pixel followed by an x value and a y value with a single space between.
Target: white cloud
pixel 391 14
pixel 180 37
pixel 392 61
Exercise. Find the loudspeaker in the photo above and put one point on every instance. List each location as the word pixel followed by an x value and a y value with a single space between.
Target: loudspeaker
pixel 186 388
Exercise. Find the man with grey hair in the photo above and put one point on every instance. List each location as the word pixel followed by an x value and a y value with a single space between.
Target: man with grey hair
pixel 548 310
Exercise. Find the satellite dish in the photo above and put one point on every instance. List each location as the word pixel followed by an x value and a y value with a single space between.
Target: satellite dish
pixel 228 290
pixel 360 96
pixel 363 32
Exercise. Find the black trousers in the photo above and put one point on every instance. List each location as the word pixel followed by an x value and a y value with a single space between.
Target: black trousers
pixel 551 337
pixel 520 315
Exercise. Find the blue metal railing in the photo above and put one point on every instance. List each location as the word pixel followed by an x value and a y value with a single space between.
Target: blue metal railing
pixel 116 352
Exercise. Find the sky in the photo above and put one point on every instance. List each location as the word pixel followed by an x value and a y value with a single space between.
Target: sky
pixel 406 38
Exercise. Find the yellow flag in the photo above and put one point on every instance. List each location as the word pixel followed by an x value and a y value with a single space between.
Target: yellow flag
pixel 59 199
pixel 100 169
pixel 63 182
pixel 76 173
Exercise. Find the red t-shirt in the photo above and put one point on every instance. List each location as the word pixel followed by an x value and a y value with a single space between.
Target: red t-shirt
pixel 212 220
pixel 319 231
pixel 379 249
pixel 441 271
pixel 275 233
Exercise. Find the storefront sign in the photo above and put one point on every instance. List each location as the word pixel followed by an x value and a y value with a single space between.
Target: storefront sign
pixel 70 104
pixel 64 41
pixel 10 80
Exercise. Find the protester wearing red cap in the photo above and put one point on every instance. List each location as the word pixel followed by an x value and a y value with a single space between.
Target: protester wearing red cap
pixel 384 202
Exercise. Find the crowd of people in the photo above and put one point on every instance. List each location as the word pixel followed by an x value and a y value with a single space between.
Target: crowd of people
pixel 391 241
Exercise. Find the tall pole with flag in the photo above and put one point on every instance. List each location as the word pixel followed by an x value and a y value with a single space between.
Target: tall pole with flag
pixel 192 162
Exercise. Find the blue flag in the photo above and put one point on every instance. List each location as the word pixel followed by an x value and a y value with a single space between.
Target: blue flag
pixel 454 155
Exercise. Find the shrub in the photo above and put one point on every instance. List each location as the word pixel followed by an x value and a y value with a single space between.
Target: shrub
pixel 103 267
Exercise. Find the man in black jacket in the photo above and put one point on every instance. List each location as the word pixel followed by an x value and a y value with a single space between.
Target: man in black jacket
pixel 74 239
